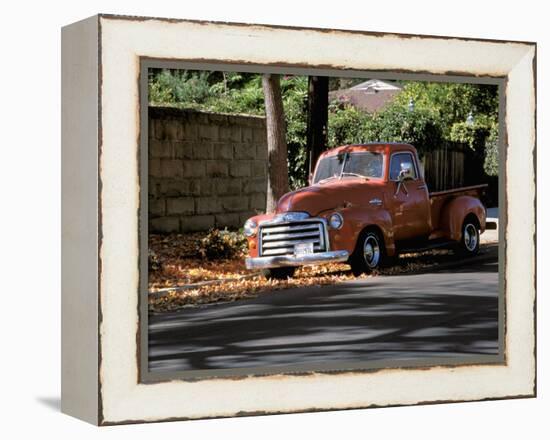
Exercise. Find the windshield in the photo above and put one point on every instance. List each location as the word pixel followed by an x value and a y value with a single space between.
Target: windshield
pixel 359 164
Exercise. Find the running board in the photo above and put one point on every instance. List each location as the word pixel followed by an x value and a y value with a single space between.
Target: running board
pixel 435 244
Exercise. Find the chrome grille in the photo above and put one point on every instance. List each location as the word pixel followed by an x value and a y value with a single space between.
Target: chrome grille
pixel 280 238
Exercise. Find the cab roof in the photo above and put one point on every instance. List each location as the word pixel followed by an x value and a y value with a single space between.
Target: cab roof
pixel 372 146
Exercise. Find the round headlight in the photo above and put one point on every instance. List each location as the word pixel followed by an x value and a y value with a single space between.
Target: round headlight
pixel 250 228
pixel 335 221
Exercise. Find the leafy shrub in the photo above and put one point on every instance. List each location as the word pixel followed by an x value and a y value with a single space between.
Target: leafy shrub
pixel 179 87
pixel 348 125
pixel 491 153
pixel 420 127
pixel 294 90
pixel 159 93
pixel 236 94
pixel 450 102
pixel 221 244
pixel 345 125
pixel 482 135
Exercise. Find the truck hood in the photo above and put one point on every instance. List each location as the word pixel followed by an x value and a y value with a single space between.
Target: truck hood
pixel 335 194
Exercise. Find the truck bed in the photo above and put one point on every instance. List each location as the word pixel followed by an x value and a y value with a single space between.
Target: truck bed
pixel 438 200
pixel 474 190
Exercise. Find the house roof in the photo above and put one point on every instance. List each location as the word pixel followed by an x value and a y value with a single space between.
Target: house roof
pixel 369 96
pixel 376 85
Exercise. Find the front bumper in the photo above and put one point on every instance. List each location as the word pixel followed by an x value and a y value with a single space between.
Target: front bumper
pixel 291 260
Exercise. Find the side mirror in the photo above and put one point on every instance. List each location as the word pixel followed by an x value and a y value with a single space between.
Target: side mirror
pixel 406 172
pixel 310 179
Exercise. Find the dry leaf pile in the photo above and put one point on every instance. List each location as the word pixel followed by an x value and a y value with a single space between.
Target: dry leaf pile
pixel 177 264
pixel 233 290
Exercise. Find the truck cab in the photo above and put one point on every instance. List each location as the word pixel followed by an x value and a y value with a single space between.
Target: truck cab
pixel 365 203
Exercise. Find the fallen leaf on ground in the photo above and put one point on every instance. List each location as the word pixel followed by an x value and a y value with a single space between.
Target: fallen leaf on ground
pixel 177 264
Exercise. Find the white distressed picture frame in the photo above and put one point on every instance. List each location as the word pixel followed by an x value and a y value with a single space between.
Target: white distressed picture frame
pixel 101 207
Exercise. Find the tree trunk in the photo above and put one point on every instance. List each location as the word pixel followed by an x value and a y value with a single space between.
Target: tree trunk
pixel 317 118
pixel 277 174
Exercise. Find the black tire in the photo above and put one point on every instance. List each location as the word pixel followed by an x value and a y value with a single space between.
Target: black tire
pixel 469 237
pixel 279 273
pixel 369 253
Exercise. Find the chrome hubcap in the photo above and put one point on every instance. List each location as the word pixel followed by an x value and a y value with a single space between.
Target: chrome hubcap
pixel 371 251
pixel 470 237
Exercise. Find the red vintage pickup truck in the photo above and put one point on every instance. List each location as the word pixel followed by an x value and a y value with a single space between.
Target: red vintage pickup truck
pixel 365 204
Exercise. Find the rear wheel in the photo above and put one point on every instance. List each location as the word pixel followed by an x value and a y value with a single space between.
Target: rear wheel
pixel 279 273
pixel 469 241
pixel 369 253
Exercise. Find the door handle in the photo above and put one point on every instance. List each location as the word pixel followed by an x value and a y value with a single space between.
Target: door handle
pixel 375 202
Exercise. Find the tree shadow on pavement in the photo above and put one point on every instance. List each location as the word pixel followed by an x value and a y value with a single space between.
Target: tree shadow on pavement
pixel 399 317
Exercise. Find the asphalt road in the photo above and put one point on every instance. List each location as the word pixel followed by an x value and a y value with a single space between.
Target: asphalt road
pixel 448 313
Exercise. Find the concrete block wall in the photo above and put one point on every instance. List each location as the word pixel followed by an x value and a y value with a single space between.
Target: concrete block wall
pixel 206 170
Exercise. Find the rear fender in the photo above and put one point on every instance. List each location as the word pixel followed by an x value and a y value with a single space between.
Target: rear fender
pixel 454 213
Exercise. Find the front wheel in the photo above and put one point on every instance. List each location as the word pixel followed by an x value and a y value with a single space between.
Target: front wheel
pixel 368 255
pixel 279 273
pixel 469 242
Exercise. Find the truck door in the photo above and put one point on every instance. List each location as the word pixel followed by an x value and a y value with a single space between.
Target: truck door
pixel 410 200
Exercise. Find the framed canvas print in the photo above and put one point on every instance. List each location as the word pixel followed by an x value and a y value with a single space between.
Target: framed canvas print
pixel 262 219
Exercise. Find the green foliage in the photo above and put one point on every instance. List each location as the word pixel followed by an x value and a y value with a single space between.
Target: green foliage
pixel 481 135
pixel 225 92
pixel 180 86
pixel 491 154
pixel 347 125
pixel 230 92
pixel 397 124
pixel 221 244
pixel 294 91
pixel 159 93
pixel 471 135
pixel 438 118
pixel 450 102
pixel 238 96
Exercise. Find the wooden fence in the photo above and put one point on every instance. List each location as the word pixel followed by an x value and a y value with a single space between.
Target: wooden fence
pixel 444 168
